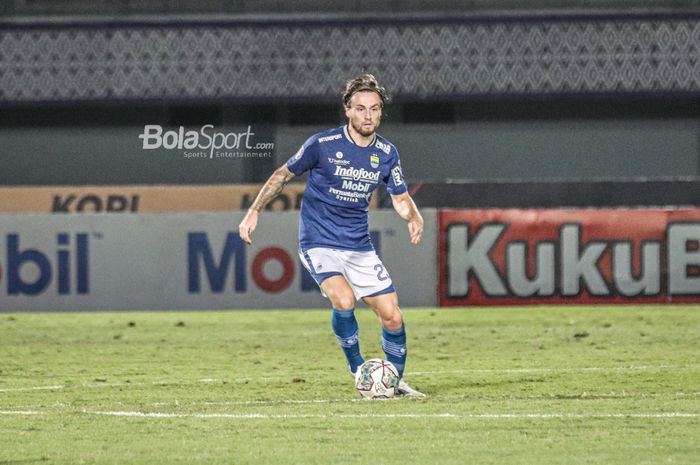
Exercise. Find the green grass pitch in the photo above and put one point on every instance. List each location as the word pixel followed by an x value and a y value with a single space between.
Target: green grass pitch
pixel 545 385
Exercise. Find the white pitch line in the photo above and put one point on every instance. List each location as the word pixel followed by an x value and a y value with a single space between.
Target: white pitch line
pixel 19 412
pixel 479 416
pixel 34 388
pixel 555 370
pixel 252 402
pixel 482 416
pixel 282 401
pixel 583 416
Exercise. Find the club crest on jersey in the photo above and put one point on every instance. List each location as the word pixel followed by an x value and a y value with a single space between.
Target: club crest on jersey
pixel 374 160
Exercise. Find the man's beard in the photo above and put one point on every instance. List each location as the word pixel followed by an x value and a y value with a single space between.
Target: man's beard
pixel 365 131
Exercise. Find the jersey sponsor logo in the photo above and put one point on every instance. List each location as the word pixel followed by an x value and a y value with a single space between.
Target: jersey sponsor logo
pixel 386 148
pixel 335 161
pixel 327 138
pixel 298 155
pixel 348 196
pixel 357 174
pixel 397 175
pixel 374 160
pixel 356 186
pixel 339 155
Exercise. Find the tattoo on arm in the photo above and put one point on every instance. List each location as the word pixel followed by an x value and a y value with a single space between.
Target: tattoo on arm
pixel 272 187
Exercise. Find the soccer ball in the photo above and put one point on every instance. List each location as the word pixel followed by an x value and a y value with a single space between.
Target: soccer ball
pixel 377 379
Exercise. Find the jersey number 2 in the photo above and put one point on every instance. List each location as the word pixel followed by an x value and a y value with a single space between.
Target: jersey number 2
pixel 379 268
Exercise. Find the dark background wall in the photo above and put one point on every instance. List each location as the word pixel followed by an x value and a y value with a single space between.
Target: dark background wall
pixel 497 148
pixel 83 7
pixel 485 93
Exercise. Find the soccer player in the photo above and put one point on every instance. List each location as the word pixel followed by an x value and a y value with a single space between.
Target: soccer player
pixel 346 165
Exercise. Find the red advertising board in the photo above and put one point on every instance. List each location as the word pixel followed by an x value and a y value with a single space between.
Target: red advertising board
pixel 620 256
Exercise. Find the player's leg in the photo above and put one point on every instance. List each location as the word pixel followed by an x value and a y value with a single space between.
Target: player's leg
pixel 326 267
pixel 386 307
pixel 343 322
pixel 369 279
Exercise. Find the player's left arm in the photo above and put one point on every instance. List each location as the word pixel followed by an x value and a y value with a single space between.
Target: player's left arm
pixel 406 208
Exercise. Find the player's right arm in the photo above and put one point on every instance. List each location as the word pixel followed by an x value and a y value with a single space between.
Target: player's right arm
pixel 271 189
pixel 302 161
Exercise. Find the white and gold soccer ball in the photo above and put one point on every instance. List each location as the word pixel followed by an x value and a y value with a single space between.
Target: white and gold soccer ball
pixel 377 379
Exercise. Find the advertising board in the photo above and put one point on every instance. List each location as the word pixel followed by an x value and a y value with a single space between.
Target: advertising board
pixel 143 199
pixel 185 261
pixel 504 257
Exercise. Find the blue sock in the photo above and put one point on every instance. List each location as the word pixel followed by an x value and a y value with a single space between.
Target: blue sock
pixel 394 345
pixel 346 330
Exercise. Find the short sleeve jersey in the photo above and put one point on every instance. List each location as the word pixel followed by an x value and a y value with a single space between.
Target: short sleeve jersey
pixel 342 177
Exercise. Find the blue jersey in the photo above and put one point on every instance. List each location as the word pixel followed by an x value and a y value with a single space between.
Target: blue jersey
pixel 342 177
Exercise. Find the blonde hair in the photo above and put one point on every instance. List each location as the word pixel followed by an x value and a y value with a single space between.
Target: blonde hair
pixel 365 82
